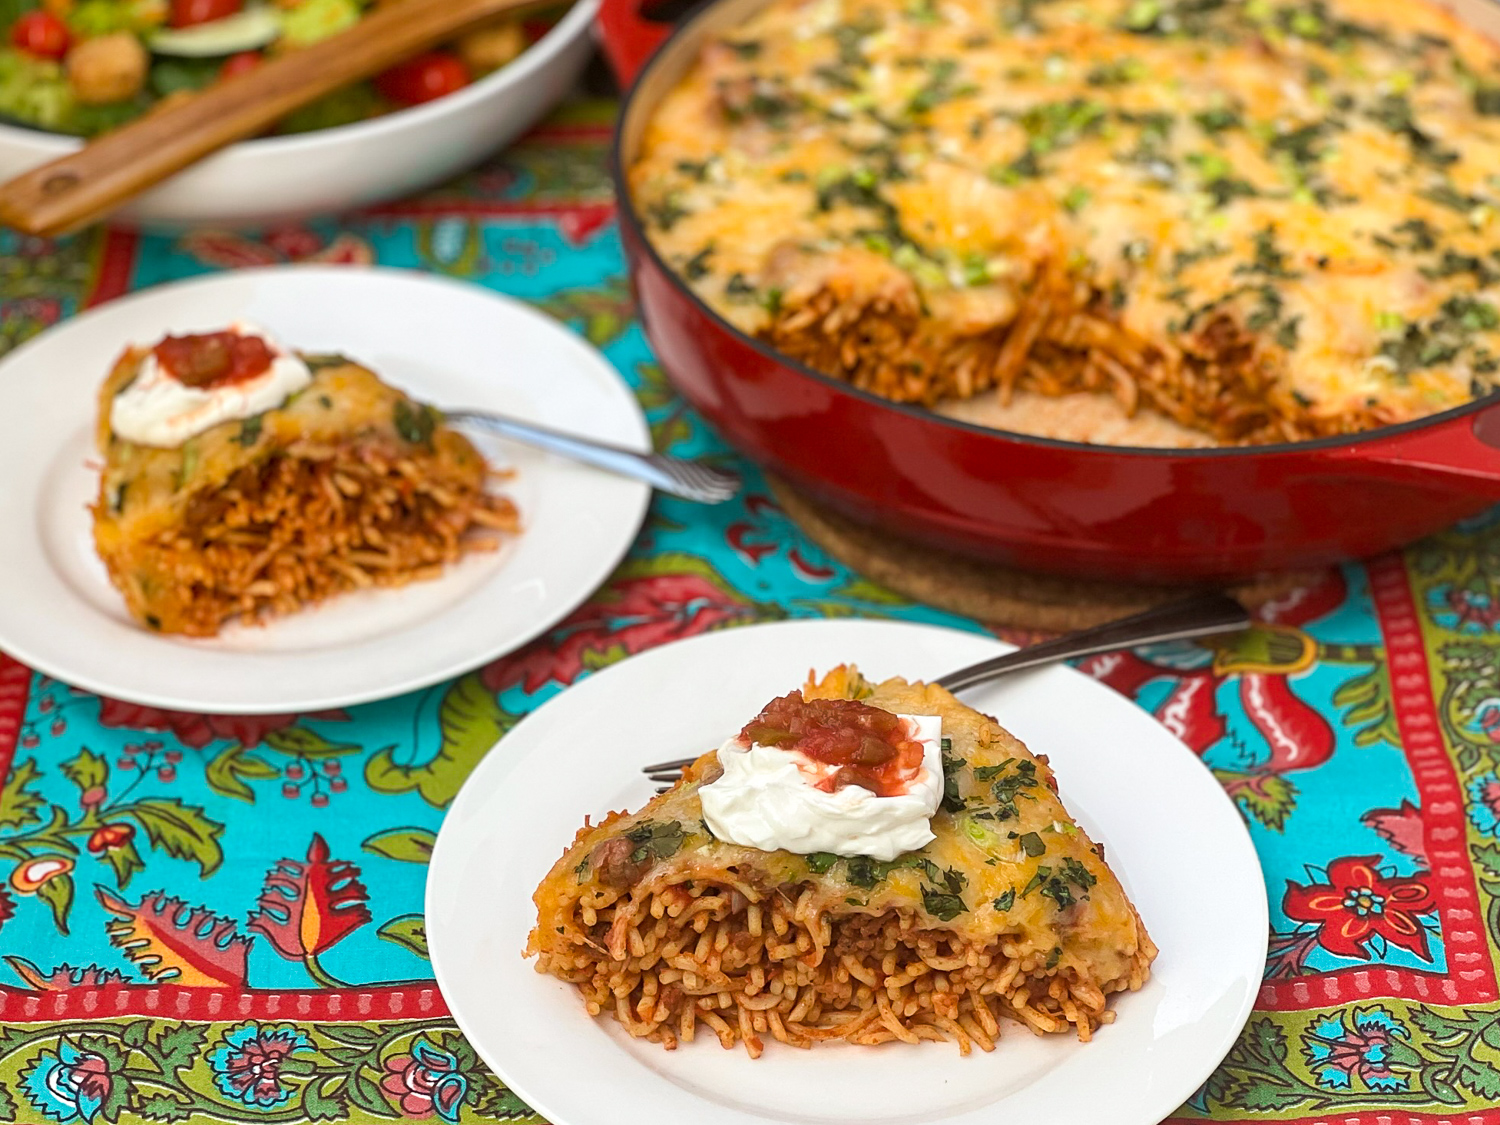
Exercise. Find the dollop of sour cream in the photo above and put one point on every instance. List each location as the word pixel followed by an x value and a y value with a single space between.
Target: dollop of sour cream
pixel 160 410
pixel 766 799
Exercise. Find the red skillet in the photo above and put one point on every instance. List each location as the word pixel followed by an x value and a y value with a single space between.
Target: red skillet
pixel 1056 506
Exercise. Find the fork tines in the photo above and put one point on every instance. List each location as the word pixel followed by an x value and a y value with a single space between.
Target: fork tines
pixel 675 766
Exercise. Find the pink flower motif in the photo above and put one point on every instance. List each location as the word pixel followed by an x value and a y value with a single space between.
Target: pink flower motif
pixel 425 1082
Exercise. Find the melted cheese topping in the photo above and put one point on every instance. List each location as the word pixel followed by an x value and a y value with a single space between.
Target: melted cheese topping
pixel 1327 171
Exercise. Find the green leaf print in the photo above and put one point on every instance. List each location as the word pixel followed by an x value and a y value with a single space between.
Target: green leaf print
pixel 409 931
pixel 411 845
pixel 182 831
pixel 472 721
pixel 177 1047
pixel 57 893
pixel 87 771
pixel 231 767
pixel 307 743
pixel 18 804
pixel 125 860
pixel 163 1107
pixel 318 1105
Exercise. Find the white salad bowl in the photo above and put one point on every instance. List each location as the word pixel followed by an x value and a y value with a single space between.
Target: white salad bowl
pixel 275 178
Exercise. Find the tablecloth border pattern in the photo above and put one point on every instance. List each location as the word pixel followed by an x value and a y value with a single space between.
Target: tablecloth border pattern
pixel 1445 824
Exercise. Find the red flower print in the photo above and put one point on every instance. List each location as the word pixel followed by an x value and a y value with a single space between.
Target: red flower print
pixel 108 837
pixel 308 907
pixel 1360 903
pixel 197 731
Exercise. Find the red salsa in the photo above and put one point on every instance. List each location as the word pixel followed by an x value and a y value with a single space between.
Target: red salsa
pixel 216 359
pixel 873 748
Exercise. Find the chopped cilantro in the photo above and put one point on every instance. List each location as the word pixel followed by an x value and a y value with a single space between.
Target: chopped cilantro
pixel 1446 195
pixel 661 840
pixel 1006 901
pixel 580 872
pixel 840 76
pixel 1008 789
pixel 1077 199
pixel 1217 120
pixel 1054 957
pixel 862 872
pixel 819 862
pixel 414 422
pixel 1050 125
pixel 1269 259
pixel 250 431
pixel 665 212
pixel 1032 844
pixel 1076 873
pixel 1117 72
pixel 953 801
pixel 1024 167
pixel 697 266
pixel 944 906
pixel 938 88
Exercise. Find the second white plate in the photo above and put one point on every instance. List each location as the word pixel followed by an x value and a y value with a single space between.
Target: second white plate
pixel 446 343
pixel 1170 834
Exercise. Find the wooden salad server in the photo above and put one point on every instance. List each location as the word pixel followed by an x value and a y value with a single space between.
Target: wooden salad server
pixel 81 187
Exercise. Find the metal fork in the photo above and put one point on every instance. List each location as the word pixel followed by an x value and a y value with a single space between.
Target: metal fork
pixel 691 480
pixel 1203 615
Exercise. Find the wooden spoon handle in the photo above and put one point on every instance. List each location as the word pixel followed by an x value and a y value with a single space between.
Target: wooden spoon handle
pixel 83 186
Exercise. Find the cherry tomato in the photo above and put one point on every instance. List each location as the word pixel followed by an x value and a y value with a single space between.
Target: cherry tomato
pixel 242 63
pixel 187 13
pixel 41 34
pixel 433 75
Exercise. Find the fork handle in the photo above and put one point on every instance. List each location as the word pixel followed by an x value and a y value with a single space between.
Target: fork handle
pixel 646 467
pixel 1204 615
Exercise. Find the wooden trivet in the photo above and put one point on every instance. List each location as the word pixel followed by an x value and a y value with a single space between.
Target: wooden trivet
pixel 991 593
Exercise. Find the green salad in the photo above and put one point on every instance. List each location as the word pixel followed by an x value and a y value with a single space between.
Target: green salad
pixel 83 67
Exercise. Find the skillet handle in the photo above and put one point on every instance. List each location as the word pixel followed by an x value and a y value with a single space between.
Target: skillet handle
pixel 1463 455
pixel 629 37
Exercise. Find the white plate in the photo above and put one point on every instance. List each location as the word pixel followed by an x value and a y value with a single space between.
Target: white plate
pixel 1170 834
pixel 446 343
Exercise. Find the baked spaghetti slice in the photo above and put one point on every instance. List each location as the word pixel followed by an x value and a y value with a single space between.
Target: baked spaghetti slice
pixel 1009 911
pixel 345 484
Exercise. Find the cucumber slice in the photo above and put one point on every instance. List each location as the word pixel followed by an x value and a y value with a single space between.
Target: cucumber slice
pixel 249 30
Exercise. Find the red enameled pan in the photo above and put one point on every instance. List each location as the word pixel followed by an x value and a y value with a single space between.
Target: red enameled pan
pixel 1063 507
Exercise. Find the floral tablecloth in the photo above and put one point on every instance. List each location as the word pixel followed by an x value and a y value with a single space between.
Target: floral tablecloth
pixel 219 919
